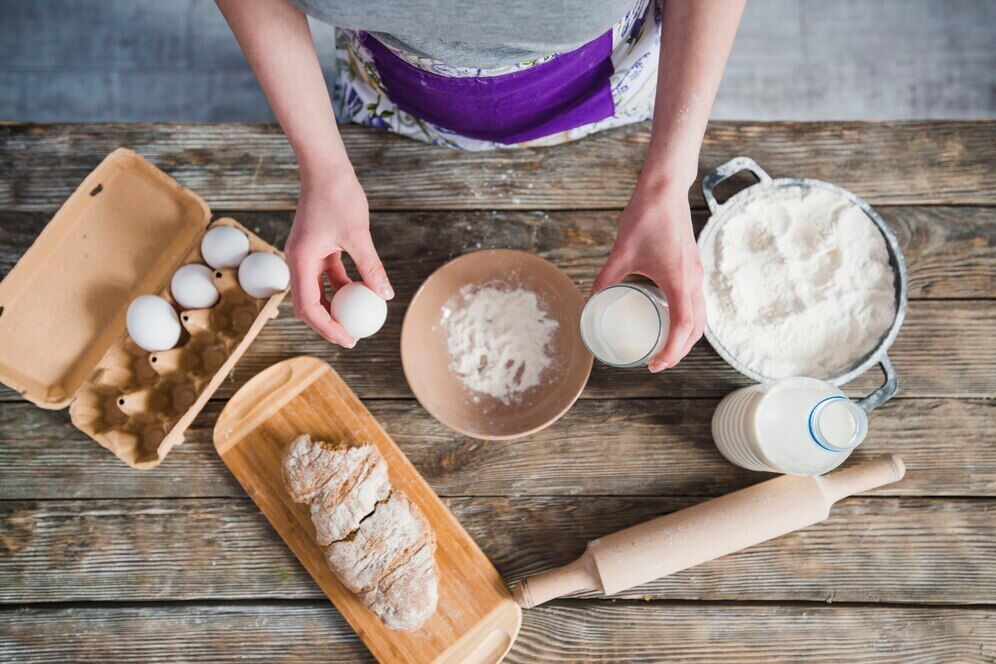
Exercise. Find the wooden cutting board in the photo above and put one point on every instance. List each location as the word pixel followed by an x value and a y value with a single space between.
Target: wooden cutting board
pixel 476 619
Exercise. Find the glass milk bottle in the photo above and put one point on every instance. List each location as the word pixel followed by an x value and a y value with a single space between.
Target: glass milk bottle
pixel 625 325
pixel 799 426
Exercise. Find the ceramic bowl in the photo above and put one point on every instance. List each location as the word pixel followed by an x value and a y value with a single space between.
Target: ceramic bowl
pixel 426 359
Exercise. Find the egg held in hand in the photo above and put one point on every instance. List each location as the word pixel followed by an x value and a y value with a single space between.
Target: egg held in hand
pixel 152 323
pixel 224 246
pixel 263 274
pixel 358 309
pixel 193 288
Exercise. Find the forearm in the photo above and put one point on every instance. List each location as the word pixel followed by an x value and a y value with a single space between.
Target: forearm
pixel 276 40
pixel 695 45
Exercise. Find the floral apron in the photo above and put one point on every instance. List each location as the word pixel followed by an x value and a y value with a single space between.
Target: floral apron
pixel 608 82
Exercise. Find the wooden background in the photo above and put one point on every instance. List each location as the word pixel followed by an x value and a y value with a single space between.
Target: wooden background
pixel 99 562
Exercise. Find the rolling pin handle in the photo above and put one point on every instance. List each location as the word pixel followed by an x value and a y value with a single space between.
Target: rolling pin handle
pixel 863 477
pixel 571 578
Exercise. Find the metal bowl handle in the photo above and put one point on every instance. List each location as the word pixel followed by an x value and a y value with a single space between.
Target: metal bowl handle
pixel 725 171
pixel 884 393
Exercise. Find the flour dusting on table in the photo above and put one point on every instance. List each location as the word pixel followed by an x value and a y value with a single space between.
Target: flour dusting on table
pixel 498 339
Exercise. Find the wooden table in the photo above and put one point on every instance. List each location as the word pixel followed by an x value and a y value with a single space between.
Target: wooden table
pixel 99 562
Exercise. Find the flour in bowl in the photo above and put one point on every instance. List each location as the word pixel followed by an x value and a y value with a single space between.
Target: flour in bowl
pixel 498 339
pixel 799 284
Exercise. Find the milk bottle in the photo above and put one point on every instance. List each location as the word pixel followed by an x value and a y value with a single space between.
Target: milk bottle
pixel 799 426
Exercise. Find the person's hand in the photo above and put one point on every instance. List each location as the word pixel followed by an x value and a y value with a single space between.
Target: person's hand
pixel 332 217
pixel 655 239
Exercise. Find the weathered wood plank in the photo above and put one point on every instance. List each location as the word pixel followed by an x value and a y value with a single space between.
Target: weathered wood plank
pixel 656 447
pixel 939 353
pixel 949 251
pixel 870 550
pixel 568 631
pixel 238 167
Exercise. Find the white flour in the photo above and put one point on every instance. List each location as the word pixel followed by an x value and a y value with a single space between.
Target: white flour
pixel 799 284
pixel 497 339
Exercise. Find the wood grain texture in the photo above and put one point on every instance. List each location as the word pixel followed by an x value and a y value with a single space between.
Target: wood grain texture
pixel 653 633
pixel 659 447
pixel 869 550
pixel 937 354
pixel 241 167
pixel 567 631
pixel 950 252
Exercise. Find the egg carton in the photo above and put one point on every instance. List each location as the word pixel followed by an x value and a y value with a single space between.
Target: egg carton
pixel 135 403
pixel 139 403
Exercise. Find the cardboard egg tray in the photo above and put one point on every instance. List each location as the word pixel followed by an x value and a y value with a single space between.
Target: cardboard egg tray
pixel 63 341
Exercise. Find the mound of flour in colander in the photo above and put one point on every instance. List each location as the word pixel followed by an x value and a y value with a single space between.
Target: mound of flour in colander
pixel 497 339
pixel 799 284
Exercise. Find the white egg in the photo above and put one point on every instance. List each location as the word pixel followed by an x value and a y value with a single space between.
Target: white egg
pixel 224 246
pixel 358 309
pixel 152 323
pixel 263 274
pixel 193 288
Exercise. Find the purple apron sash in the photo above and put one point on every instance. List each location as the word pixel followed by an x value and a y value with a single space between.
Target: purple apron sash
pixel 568 91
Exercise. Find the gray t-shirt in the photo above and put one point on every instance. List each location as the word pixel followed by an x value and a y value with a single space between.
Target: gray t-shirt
pixel 474 33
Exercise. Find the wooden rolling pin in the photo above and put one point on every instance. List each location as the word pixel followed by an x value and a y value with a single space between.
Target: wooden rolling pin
pixel 707 531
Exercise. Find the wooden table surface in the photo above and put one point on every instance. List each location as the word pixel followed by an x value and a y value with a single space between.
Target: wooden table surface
pixel 99 562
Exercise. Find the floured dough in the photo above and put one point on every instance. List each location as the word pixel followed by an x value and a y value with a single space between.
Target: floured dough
pixel 384 541
pixel 380 545
pixel 408 593
pixel 350 496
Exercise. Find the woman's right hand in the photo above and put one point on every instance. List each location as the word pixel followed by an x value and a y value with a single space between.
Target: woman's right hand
pixel 332 218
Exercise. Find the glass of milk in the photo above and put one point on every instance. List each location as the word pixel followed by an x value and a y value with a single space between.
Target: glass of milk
pixel 625 325
pixel 799 426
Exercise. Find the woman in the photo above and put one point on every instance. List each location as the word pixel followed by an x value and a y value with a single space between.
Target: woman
pixel 480 74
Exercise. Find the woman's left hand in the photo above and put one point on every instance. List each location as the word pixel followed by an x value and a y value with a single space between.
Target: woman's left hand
pixel 655 239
